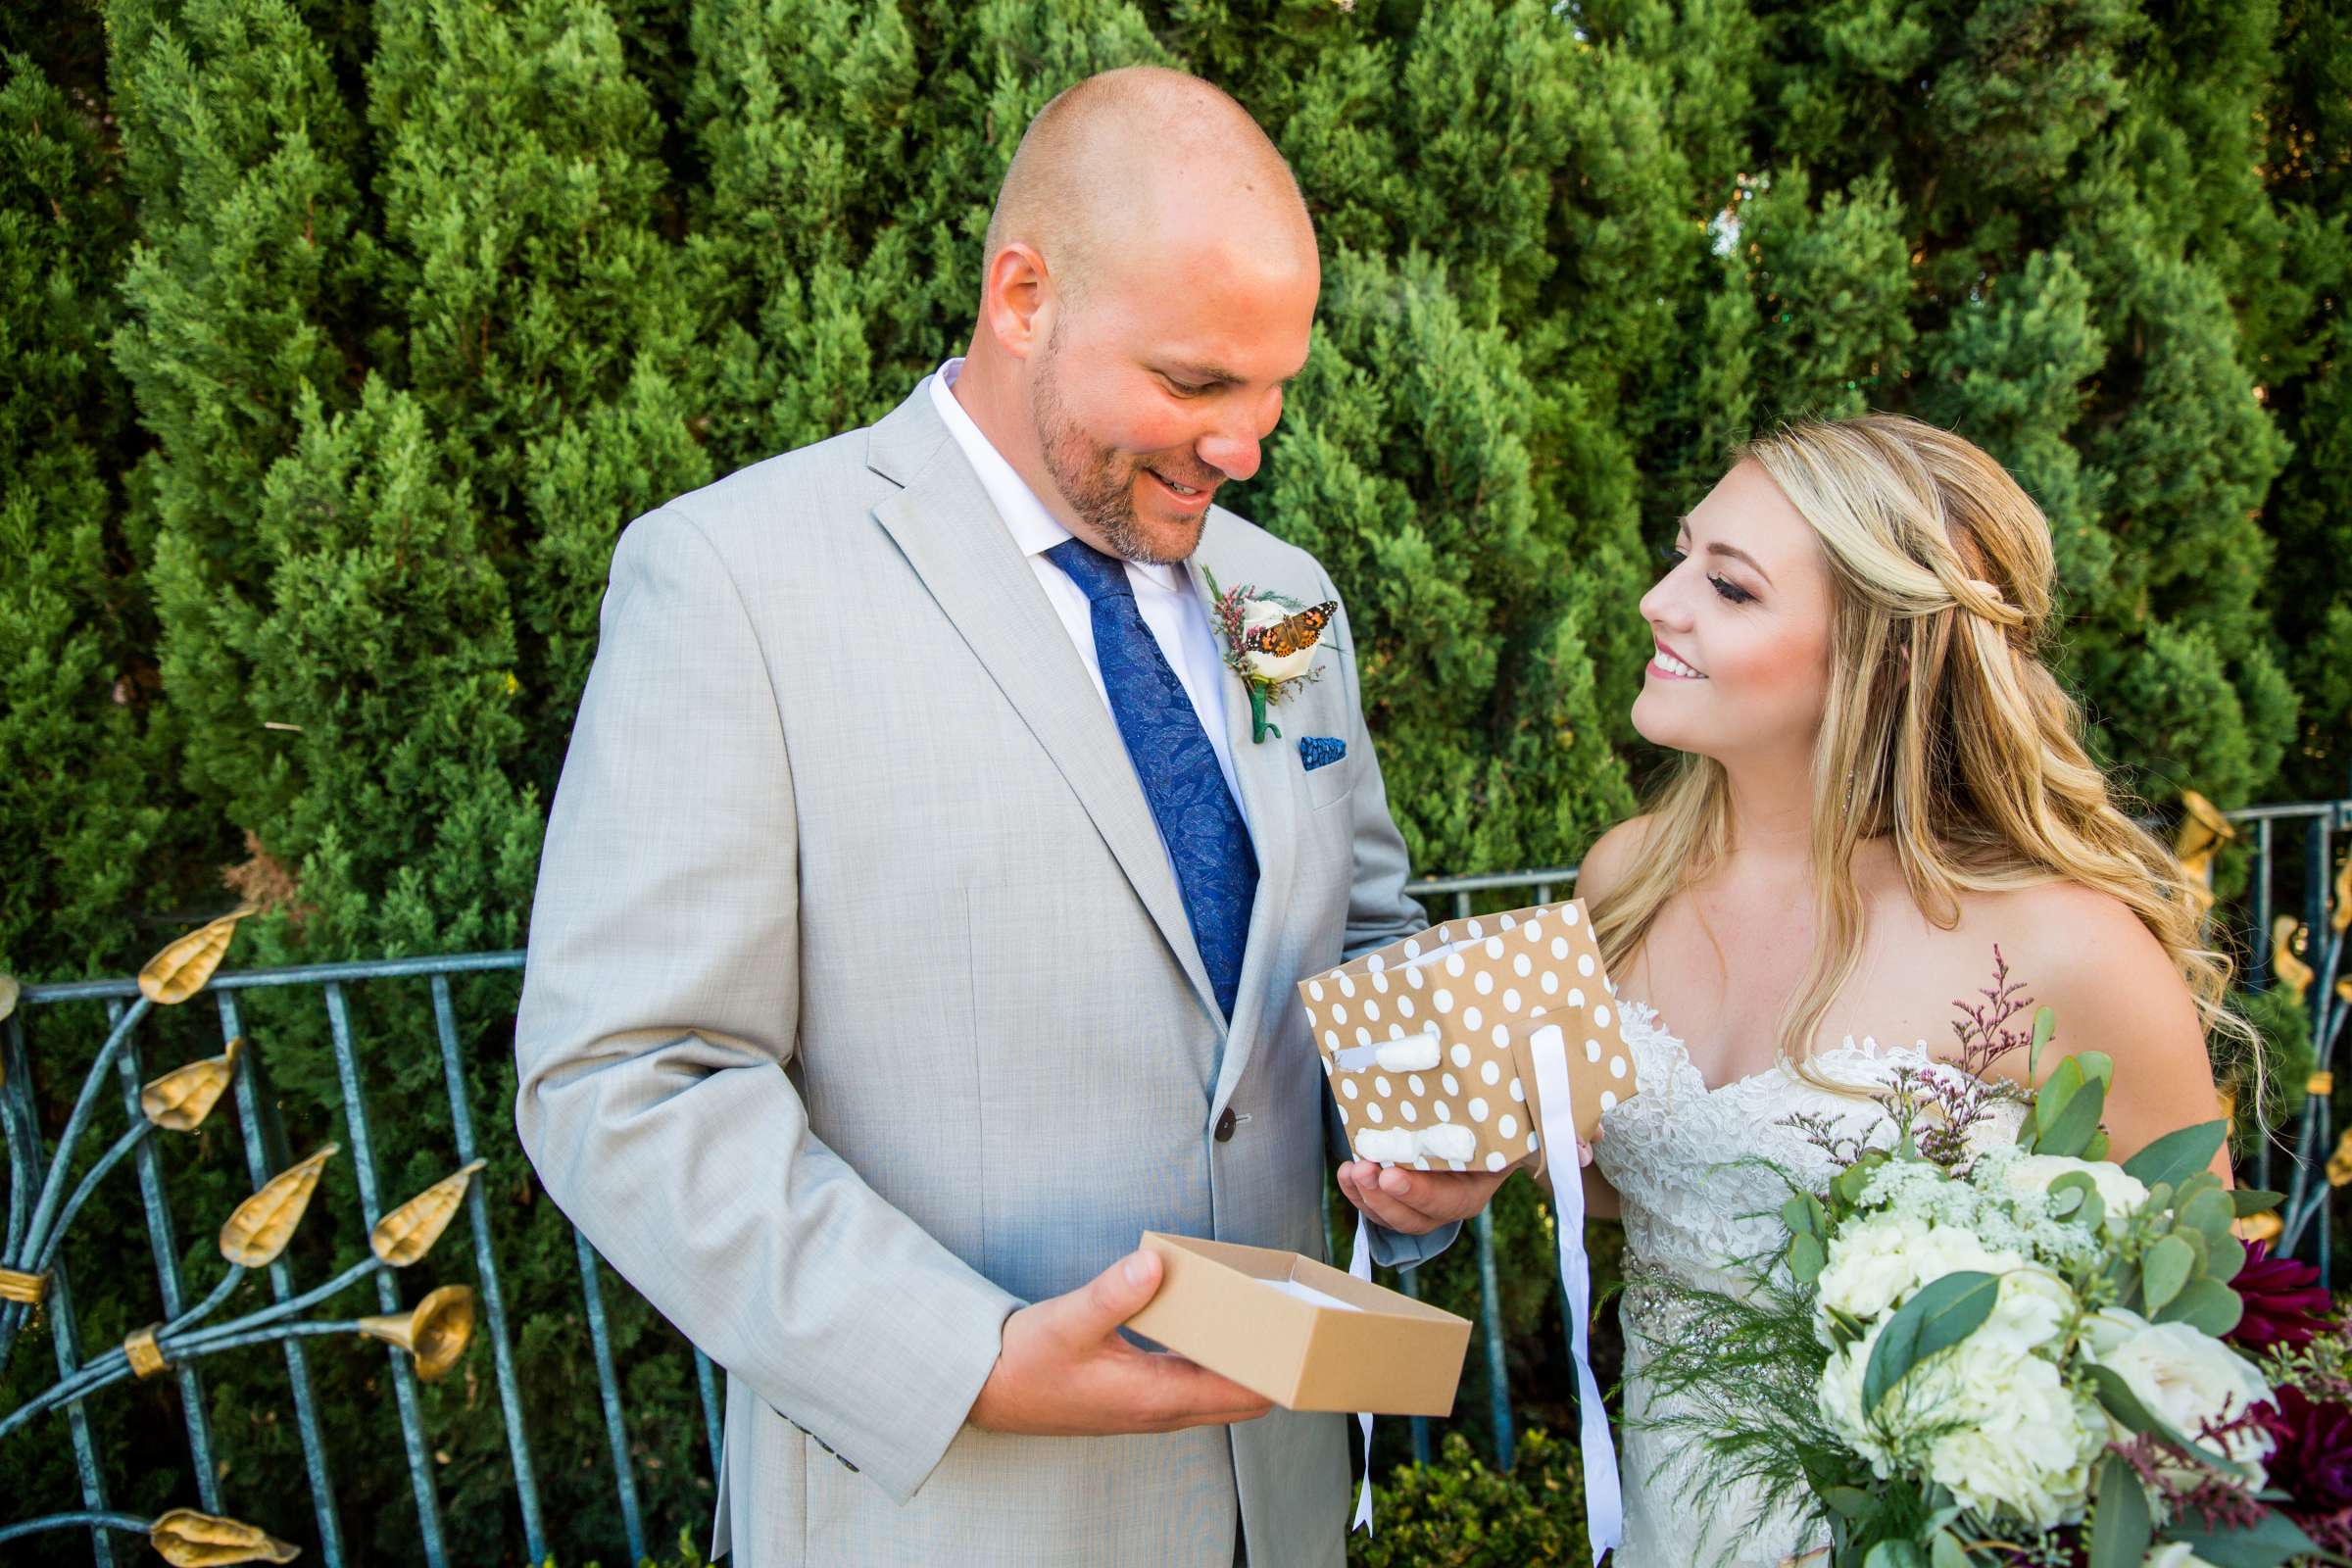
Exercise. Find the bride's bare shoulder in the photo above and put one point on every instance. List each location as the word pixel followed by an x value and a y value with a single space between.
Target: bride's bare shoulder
pixel 1611 856
pixel 2087 954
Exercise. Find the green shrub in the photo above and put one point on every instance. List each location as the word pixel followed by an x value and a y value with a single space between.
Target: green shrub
pixel 1459 1512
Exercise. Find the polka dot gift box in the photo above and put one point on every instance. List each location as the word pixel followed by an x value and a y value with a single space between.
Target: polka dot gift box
pixel 1431 1044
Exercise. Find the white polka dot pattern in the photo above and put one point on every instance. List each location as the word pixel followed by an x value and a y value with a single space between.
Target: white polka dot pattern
pixel 1484 996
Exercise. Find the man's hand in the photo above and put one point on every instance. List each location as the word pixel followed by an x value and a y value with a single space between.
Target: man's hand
pixel 1064 1371
pixel 1414 1202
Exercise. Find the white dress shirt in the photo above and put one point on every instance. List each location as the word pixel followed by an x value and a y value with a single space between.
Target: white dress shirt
pixel 1171 610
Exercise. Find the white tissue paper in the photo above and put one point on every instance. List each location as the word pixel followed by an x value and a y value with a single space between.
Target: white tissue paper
pixel 1389 1145
pixel 1449 1141
pixel 1413 1054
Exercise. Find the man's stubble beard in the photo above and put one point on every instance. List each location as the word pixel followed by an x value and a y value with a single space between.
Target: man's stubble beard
pixel 1095 479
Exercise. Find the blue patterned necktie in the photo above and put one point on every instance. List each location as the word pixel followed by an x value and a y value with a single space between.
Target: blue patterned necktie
pixel 1207 842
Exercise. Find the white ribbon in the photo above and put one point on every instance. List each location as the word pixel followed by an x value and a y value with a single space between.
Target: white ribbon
pixel 1604 1504
pixel 1360 1264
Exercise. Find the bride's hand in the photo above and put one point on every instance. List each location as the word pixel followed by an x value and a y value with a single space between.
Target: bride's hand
pixel 1415 1202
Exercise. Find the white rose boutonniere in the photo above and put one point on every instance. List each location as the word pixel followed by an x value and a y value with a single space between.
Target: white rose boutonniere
pixel 1270 643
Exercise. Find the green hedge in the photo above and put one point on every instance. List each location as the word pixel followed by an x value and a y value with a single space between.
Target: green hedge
pixel 344 338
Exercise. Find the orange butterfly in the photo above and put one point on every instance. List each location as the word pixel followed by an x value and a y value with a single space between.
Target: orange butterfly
pixel 1292 633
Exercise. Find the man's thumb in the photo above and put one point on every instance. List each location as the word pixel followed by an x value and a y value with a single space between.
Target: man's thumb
pixel 1119 1291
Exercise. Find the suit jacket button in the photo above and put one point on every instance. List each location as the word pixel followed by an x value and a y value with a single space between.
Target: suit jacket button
pixel 1225 1124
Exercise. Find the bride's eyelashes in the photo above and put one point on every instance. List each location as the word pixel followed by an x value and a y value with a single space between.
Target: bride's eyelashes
pixel 1726 589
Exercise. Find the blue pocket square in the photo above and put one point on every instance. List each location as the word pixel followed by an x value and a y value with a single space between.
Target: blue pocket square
pixel 1320 751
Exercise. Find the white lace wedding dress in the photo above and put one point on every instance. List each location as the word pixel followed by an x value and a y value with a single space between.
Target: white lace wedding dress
pixel 1688 1210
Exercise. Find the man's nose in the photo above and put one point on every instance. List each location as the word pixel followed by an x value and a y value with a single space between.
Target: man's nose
pixel 1231 450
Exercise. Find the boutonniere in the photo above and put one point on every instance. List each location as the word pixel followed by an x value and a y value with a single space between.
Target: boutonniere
pixel 1270 642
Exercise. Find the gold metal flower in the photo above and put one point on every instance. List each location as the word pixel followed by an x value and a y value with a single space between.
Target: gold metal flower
pixel 410 1231
pixel 264 1223
pixel 188 1539
pixel 182 969
pixel 436 1331
pixel 180 1100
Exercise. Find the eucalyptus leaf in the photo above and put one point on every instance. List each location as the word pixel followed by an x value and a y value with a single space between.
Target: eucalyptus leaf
pixel 2255 1200
pixel 1946 1552
pixel 2178 1156
pixel 2077 1125
pixel 2099 1065
pixel 1851 1501
pixel 1942 1315
pixel 2051 1101
pixel 1806 1259
pixel 2096 1148
pixel 2207 1305
pixel 1894 1554
pixel 2273 1541
pixel 2164 1270
pixel 2212 1213
pixel 2121 1525
pixel 2045 1025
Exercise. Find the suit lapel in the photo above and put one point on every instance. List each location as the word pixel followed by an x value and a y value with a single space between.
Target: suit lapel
pixel 949 531
pixel 1265 773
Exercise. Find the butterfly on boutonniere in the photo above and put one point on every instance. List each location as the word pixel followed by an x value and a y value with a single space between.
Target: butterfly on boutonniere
pixel 1270 642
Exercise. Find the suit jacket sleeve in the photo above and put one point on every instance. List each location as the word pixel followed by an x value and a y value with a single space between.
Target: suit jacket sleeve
pixel 659 1008
pixel 1379 912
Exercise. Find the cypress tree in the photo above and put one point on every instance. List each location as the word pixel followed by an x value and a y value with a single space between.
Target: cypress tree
pixel 79 759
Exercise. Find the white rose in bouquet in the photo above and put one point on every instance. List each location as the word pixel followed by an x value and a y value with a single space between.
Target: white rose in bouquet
pixel 2122 1195
pixel 2021 1443
pixel 1954 1250
pixel 2034 1308
pixel 1870 1264
pixel 2183 1378
pixel 1999 1428
pixel 1257 614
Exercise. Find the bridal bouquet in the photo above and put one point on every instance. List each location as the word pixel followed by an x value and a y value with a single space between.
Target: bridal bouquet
pixel 1978 1351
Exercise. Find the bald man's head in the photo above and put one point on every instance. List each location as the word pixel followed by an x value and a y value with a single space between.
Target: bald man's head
pixel 1149 292
pixel 1110 164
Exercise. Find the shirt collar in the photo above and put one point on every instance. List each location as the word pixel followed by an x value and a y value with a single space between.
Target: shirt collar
pixel 1033 529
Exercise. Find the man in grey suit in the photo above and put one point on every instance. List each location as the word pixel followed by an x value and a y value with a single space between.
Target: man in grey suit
pixel 919 915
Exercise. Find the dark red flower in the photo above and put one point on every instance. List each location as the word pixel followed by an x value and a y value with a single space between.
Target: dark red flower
pixel 2313 1460
pixel 2284 1304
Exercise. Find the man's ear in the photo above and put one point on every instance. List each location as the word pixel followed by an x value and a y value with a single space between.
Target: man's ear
pixel 1017 300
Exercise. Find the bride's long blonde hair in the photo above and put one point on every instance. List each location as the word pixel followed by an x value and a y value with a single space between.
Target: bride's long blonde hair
pixel 1943 731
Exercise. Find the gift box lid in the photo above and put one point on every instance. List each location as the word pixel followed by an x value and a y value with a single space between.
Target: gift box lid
pixel 1299 1333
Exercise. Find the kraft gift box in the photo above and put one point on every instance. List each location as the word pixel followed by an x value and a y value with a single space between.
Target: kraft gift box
pixel 1302 1335
pixel 1442 1030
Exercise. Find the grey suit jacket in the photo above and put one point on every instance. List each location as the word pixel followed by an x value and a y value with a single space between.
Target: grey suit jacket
pixel 861 1008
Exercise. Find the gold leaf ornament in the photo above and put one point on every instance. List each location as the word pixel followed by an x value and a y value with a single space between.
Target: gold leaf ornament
pixel 264 1223
pixel 435 1332
pixel 2339 1163
pixel 2203 830
pixel 180 1100
pixel 188 1539
pixel 410 1231
pixel 2292 972
pixel 182 969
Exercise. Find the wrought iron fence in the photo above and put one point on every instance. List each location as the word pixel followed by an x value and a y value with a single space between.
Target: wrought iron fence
pixel 2302 953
